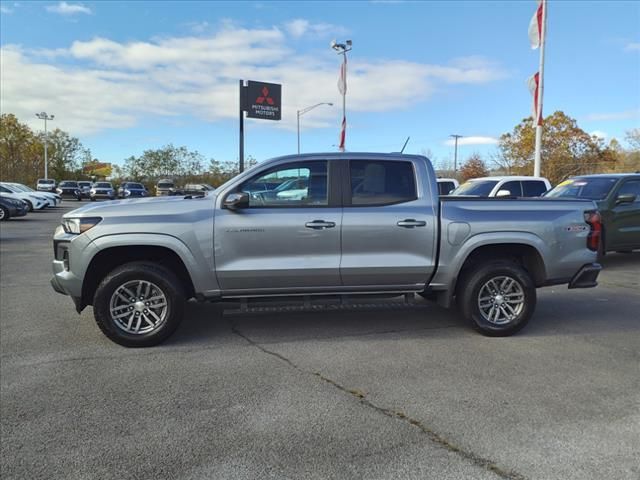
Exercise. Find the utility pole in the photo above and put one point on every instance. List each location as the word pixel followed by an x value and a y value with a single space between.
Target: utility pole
pixel 305 110
pixel 455 152
pixel 45 117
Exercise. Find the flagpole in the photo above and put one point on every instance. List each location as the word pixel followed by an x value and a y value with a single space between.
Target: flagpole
pixel 538 120
pixel 342 49
pixel 344 97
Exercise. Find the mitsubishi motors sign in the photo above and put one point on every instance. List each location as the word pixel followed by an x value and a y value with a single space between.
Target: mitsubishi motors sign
pixel 263 100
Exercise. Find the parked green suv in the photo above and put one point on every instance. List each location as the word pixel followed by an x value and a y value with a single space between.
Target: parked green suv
pixel 618 200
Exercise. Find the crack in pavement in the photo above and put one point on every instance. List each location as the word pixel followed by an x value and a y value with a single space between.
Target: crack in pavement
pixel 396 414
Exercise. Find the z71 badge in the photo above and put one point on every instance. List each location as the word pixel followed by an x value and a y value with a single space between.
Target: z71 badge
pixel 577 228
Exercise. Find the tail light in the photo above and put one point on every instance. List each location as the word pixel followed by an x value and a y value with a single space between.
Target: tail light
pixel 595 229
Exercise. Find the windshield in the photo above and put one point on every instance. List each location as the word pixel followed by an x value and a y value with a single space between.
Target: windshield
pixel 21 188
pixel 596 188
pixel 135 186
pixel 68 184
pixel 165 185
pixel 11 187
pixel 480 188
pixel 84 184
pixel 102 185
pixel 48 182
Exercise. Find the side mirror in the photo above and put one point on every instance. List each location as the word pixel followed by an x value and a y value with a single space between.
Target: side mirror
pixel 626 198
pixel 235 201
pixel 503 193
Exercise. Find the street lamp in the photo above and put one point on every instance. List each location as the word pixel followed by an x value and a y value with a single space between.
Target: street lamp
pixel 305 110
pixel 45 117
pixel 455 154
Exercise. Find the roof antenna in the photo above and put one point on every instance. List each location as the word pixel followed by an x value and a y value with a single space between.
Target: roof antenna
pixel 405 144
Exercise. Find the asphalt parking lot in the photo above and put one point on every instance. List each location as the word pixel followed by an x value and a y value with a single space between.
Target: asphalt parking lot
pixel 391 393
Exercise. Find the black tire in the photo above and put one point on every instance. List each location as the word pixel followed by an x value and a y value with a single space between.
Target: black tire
pixel 163 279
pixel 4 214
pixel 471 285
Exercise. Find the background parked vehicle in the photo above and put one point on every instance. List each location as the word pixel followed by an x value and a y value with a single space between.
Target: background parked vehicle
pixel 510 186
pixel 35 201
pixel 85 188
pixel 447 185
pixel 54 197
pixel 11 207
pixel 69 189
pixel 197 189
pixel 102 190
pixel 46 185
pixel 132 190
pixel 165 187
pixel 618 201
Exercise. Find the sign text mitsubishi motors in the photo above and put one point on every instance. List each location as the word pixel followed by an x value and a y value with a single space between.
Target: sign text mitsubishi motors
pixel 263 100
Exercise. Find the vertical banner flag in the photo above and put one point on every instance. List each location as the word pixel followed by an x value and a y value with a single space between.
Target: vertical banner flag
pixel 535 26
pixel 342 88
pixel 533 82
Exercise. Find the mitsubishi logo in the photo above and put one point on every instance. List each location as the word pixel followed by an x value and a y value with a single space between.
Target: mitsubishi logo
pixel 265 97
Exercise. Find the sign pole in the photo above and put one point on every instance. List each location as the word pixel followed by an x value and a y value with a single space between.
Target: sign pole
pixel 241 152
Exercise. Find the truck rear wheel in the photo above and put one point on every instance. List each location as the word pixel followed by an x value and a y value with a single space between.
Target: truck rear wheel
pixel 498 298
pixel 139 304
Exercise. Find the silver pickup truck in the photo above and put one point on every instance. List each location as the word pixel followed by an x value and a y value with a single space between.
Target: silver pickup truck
pixel 319 225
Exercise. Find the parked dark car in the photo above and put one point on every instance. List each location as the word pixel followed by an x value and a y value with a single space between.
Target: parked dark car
pixel 10 207
pixel 69 189
pixel 132 190
pixel 618 199
pixel 85 188
pixel 102 190
pixel 197 189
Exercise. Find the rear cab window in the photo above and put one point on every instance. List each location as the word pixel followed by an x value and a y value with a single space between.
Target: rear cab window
pixel 379 182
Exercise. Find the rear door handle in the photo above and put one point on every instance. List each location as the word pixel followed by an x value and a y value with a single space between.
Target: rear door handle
pixel 319 224
pixel 410 223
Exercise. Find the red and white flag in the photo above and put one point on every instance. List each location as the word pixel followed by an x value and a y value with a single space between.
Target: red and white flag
pixel 533 82
pixel 343 133
pixel 342 81
pixel 535 26
pixel 342 87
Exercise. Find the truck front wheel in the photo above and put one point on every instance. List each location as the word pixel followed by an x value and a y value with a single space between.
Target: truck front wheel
pixel 498 298
pixel 139 304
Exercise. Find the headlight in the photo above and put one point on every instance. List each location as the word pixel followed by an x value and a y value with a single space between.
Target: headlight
pixel 127 192
pixel 92 191
pixel 79 225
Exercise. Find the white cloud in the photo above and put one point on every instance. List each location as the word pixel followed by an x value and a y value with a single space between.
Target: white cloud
pixel 473 140
pixel 300 26
pixel 5 10
pixel 99 84
pixel 64 8
pixel 612 116
pixel 632 46
pixel 599 134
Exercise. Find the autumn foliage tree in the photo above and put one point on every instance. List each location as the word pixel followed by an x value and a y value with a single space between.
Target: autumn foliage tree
pixel 474 167
pixel 566 150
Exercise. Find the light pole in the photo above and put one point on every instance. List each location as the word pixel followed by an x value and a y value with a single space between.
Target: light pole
pixel 45 117
pixel 342 49
pixel 455 153
pixel 305 110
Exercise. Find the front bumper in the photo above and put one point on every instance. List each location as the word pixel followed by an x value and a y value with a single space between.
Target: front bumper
pixel 586 277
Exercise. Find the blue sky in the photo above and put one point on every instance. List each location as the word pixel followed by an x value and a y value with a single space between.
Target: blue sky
pixel 127 76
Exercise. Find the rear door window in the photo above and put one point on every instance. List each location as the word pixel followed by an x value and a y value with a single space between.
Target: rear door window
pixel 514 187
pixel 533 188
pixel 375 182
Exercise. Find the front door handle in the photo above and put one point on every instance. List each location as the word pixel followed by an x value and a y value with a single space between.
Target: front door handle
pixel 410 223
pixel 319 224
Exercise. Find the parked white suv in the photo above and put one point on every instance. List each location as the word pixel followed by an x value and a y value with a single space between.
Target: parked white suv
pixel 508 186
pixel 46 185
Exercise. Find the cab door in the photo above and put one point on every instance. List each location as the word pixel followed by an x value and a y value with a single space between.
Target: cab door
pixel 288 238
pixel 389 224
pixel 624 227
